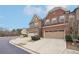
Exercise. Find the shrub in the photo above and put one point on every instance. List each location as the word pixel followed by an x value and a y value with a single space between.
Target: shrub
pixel 75 37
pixel 78 37
pixel 35 38
pixel 25 35
pixel 68 38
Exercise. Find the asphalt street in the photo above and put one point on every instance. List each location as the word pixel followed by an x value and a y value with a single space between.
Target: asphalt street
pixel 7 48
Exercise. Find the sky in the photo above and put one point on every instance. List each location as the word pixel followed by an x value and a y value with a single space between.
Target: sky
pixel 19 16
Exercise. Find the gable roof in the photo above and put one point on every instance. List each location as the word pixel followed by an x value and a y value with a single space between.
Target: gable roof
pixel 34 17
pixel 75 9
pixel 56 8
pixel 55 12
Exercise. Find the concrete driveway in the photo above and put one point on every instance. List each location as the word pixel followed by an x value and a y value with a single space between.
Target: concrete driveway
pixel 47 46
pixel 7 48
pixel 50 46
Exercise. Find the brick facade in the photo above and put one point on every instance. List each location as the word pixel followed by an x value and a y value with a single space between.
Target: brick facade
pixel 56 23
pixel 35 25
pixel 58 20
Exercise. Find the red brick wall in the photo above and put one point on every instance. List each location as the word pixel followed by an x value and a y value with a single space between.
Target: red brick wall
pixel 56 13
pixel 61 27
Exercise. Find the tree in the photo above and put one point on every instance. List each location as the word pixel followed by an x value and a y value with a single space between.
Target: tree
pixel 18 31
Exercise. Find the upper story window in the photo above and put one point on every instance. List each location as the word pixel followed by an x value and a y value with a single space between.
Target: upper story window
pixel 36 24
pixel 61 18
pixel 47 22
pixel 32 25
pixel 71 16
pixel 71 19
pixel 54 20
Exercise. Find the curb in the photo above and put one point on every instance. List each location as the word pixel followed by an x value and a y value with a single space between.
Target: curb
pixel 25 49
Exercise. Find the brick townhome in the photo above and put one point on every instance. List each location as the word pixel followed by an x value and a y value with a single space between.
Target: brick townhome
pixel 73 22
pixel 56 24
pixel 35 26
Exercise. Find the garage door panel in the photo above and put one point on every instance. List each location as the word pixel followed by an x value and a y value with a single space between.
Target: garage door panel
pixel 58 35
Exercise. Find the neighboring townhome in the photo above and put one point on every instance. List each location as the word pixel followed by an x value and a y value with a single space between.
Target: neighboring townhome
pixel 76 11
pixel 54 23
pixel 35 26
pixel 72 26
pixel 58 23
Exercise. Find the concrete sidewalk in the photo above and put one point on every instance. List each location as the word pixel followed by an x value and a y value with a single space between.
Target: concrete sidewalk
pixel 46 46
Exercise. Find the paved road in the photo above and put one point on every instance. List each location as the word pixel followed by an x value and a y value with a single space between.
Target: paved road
pixel 7 48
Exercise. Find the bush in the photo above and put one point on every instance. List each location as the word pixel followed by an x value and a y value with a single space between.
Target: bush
pixel 78 37
pixel 68 38
pixel 35 38
pixel 75 37
pixel 25 35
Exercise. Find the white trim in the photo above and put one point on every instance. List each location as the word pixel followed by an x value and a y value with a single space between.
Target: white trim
pixel 54 20
pixel 47 21
pixel 53 25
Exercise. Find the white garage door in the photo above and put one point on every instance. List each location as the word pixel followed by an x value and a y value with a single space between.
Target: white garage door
pixel 57 35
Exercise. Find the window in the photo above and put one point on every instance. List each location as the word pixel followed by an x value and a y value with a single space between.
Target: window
pixel 32 25
pixel 54 20
pixel 71 16
pixel 71 20
pixel 61 18
pixel 47 22
pixel 36 24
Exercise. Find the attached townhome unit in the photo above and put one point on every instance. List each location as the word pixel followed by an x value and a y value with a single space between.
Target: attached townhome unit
pixel 58 23
pixel 76 11
pixel 72 25
pixel 35 26
pixel 54 23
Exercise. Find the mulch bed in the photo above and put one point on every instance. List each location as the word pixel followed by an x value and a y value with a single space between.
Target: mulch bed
pixel 69 45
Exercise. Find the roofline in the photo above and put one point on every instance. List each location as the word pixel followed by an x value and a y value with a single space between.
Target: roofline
pixel 37 17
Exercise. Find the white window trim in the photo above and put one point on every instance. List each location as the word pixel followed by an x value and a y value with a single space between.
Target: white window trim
pixel 47 21
pixel 54 20
pixel 36 23
pixel 61 18
pixel 71 16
